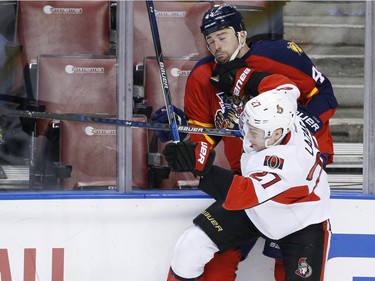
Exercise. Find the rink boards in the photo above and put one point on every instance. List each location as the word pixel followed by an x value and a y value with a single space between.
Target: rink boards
pixel 83 236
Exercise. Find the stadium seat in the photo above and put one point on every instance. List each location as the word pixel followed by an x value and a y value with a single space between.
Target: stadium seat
pixel 91 150
pixel 61 27
pixel 74 84
pixel 178 25
pixel 87 85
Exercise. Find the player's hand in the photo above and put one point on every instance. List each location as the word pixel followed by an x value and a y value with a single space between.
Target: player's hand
pixel 160 116
pixel 236 78
pixel 312 122
pixel 224 75
pixel 189 157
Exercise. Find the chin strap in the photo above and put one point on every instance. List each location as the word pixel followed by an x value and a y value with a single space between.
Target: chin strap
pixel 240 45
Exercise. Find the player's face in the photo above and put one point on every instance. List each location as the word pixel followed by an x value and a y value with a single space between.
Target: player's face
pixel 222 44
pixel 256 137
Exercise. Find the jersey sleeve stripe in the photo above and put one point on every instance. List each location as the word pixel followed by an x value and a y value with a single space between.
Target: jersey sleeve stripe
pixel 313 93
pixel 241 194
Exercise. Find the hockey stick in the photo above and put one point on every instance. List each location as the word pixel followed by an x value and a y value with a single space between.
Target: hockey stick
pixel 105 119
pixel 163 72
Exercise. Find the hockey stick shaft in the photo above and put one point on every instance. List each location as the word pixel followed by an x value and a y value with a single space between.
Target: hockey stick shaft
pixel 101 119
pixel 163 72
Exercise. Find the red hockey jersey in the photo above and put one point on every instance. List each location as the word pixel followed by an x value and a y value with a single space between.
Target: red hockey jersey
pixel 205 106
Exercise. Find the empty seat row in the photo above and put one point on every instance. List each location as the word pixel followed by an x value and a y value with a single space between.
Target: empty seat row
pixel 87 85
pixel 87 27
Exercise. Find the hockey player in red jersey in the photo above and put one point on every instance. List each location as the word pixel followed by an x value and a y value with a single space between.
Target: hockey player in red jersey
pixel 225 34
pixel 282 195
pixel 219 86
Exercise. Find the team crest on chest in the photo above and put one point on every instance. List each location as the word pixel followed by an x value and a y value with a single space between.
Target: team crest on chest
pixel 274 162
pixel 227 115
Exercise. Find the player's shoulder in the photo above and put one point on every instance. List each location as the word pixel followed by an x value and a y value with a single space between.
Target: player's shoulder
pixel 275 47
pixel 205 63
pixel 203 67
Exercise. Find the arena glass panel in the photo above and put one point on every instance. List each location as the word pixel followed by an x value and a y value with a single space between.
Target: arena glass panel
pixel 19 145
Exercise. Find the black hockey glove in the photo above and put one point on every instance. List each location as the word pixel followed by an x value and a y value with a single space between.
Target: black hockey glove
pixel 189 157
pixel 160 116
pixel 224 75
pixel 312 122
pixel 236 78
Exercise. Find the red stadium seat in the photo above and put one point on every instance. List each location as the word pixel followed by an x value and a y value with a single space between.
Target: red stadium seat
pixel 76 84
pixel 91 150
pixel 86 84
pixel 61 27
pixel 178 24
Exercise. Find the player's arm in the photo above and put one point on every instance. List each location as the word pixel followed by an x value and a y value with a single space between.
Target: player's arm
pixel 236 78
pixel 238 192
pixel 242 192
pixel 317 93
pixel 198 102
pixel 196 111
pixel 196 154
pixel 248 192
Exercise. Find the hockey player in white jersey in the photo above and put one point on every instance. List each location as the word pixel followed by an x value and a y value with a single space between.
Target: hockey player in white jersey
pixel 283 193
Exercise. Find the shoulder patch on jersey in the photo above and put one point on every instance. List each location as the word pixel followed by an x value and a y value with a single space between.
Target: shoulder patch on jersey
pixel 274 162
pixel 295 48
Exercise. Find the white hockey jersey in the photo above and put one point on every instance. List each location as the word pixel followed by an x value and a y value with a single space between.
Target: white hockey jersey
pixel 283 188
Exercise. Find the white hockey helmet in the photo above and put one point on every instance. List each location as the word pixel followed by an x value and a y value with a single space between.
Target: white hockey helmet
pixel 271 110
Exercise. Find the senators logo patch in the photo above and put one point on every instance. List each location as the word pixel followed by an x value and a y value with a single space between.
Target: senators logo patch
pixel 304 270
pixel 273 162
pixel 280 110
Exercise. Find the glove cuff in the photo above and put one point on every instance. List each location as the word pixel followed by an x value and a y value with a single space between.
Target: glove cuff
pixel 216 183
